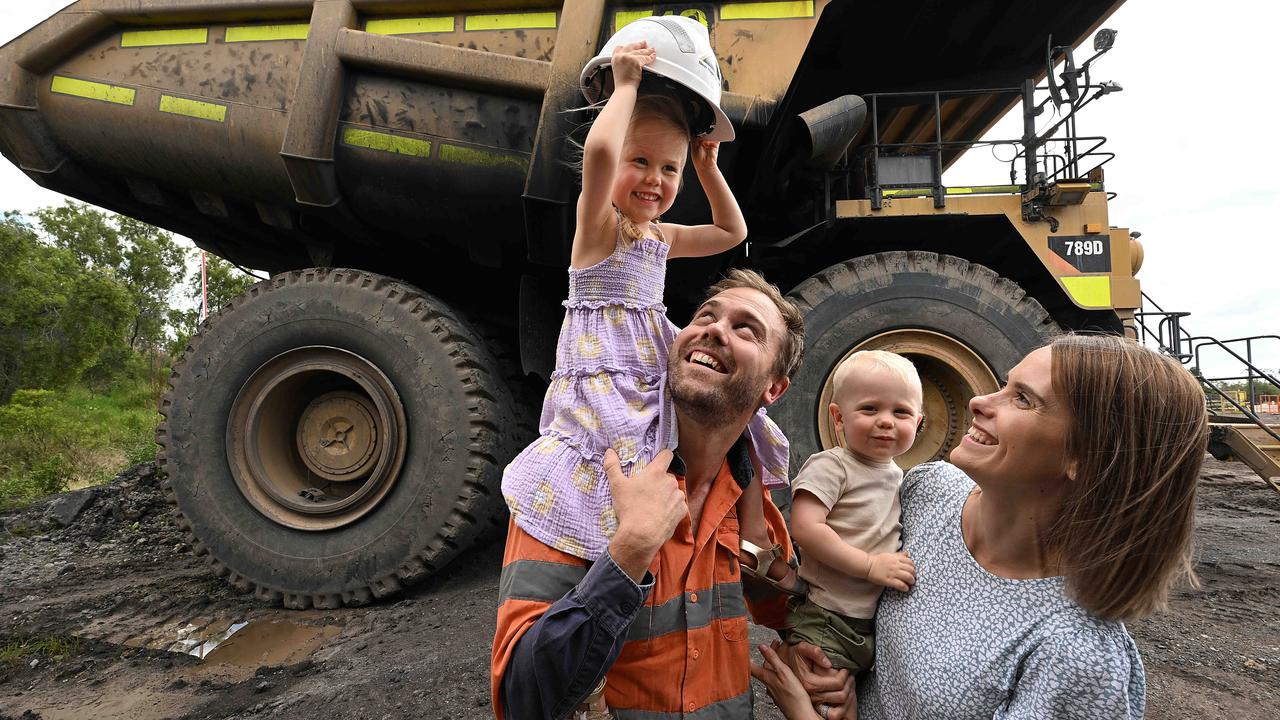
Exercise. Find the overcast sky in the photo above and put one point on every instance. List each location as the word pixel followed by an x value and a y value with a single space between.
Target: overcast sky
pixel 1195 168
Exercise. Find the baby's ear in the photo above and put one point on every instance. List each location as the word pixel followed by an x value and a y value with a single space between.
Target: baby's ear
pixel 920 425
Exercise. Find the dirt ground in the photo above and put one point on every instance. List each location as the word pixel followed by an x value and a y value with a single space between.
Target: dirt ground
pixel 104 577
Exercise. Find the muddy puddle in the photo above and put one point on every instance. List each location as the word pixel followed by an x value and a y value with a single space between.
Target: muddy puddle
pixel 244 642
pixel 269 643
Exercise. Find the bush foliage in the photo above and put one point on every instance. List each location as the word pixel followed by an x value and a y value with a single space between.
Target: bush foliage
pixel 93 307
pixel 52 441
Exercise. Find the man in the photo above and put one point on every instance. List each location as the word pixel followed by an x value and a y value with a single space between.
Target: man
pixel 662 612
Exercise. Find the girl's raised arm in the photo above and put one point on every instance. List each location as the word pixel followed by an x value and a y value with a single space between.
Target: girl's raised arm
pixel 594 238
pixel 727 228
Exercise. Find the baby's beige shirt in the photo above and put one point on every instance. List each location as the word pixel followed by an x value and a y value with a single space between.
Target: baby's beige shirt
pixel 862 500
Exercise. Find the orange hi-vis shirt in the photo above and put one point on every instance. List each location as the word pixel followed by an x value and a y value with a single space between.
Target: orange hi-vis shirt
pixel 684 652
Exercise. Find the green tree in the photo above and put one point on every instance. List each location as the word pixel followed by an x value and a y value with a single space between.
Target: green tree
pixel 152 267
pixel 224 282
pixel 56 313
pixel 1260 387
pixel 146 260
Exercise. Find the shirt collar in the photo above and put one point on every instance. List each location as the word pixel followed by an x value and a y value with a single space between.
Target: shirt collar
pixel 738 457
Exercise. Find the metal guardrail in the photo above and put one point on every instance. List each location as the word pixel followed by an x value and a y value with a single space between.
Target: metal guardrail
pixel 1170 337
pixel 1080 156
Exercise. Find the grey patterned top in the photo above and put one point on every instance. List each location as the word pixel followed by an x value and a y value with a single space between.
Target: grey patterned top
pixel 967 644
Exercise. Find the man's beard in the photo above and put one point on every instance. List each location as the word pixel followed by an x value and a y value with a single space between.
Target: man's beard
pixel 711 404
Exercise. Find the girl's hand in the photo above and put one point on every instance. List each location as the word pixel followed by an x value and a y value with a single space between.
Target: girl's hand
pixel 783 685
pixel 628 62
pixel 705 153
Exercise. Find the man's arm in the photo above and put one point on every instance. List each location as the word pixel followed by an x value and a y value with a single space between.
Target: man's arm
pixel 561 625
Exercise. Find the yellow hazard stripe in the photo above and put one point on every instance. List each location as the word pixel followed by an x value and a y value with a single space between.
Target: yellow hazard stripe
pixel 193 108
pixel 623 18
pixel 511 21
pixel 148 38
pixel 386 142
pixel 483 158
pixel 92 90
pixel 410 26
pixel 1089 290
pixel 766 10
pixel 258 33
pixel 963 190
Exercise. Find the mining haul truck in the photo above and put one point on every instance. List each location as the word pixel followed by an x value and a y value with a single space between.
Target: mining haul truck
pixel 399 167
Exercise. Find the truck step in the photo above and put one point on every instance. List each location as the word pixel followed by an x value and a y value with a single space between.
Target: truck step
pixel 1252 445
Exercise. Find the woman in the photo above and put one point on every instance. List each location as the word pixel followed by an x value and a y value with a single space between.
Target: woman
pixel 1068 509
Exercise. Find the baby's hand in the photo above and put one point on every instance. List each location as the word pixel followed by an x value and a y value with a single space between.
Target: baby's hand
pixel 705 153
pixel 628 62
pixel 894 570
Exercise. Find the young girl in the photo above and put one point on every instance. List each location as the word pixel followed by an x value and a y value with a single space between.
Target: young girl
pixel 608 389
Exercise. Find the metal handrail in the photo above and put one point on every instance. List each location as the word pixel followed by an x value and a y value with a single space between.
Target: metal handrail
pixel 1032 149
pixel 1171 339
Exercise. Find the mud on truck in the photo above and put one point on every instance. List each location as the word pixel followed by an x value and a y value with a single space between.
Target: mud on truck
pixel 340 430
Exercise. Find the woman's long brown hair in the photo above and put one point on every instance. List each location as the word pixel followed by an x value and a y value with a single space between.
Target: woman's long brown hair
pixel 1137 435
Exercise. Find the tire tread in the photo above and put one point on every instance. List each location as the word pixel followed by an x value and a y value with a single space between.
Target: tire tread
pixel 474 507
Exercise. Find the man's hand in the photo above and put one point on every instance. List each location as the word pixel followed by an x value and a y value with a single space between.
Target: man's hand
pixel 628 62
pixel 825 684
pixel 649 506
pixel 893 570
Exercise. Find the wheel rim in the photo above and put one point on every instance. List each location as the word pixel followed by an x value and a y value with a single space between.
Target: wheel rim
pixel 951 373
pixel 316 438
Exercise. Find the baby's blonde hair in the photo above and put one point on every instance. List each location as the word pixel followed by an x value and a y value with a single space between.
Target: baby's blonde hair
pixel 877 359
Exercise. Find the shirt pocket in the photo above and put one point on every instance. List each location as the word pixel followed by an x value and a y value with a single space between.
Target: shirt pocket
pixel 728 603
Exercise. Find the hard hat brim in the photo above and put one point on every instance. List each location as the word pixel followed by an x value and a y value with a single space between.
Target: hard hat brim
pixel 593 88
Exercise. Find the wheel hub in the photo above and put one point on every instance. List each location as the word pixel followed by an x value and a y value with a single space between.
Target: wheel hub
pixel 951 374
pixel 338 436
pixel 316 438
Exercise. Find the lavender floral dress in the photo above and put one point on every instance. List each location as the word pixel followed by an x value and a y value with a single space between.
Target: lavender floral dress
pixel 608 391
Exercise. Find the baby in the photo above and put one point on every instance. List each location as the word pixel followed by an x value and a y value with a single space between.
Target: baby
pixel 845 511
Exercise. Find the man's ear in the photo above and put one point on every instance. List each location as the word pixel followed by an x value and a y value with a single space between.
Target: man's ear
pixel 776 389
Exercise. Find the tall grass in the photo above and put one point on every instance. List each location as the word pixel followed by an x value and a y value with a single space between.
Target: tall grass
pixel 52 441
pixel 17 650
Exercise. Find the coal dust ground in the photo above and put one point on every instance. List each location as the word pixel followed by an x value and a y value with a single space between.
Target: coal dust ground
pixel 102 605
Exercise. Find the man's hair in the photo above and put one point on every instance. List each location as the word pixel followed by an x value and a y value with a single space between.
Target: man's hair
pixel 892 363
pixel 791 349
pixel 1136 435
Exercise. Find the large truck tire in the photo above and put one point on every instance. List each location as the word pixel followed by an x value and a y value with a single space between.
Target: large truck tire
pixel 961 324
pixel 333 435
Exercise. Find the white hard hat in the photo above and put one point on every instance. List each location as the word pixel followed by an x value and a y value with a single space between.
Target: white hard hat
pixel 684 56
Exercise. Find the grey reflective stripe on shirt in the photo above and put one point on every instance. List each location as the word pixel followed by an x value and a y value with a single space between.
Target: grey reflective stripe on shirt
pixel 730 601
pixel 735 708
pixel 538 580
pixel 680 613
